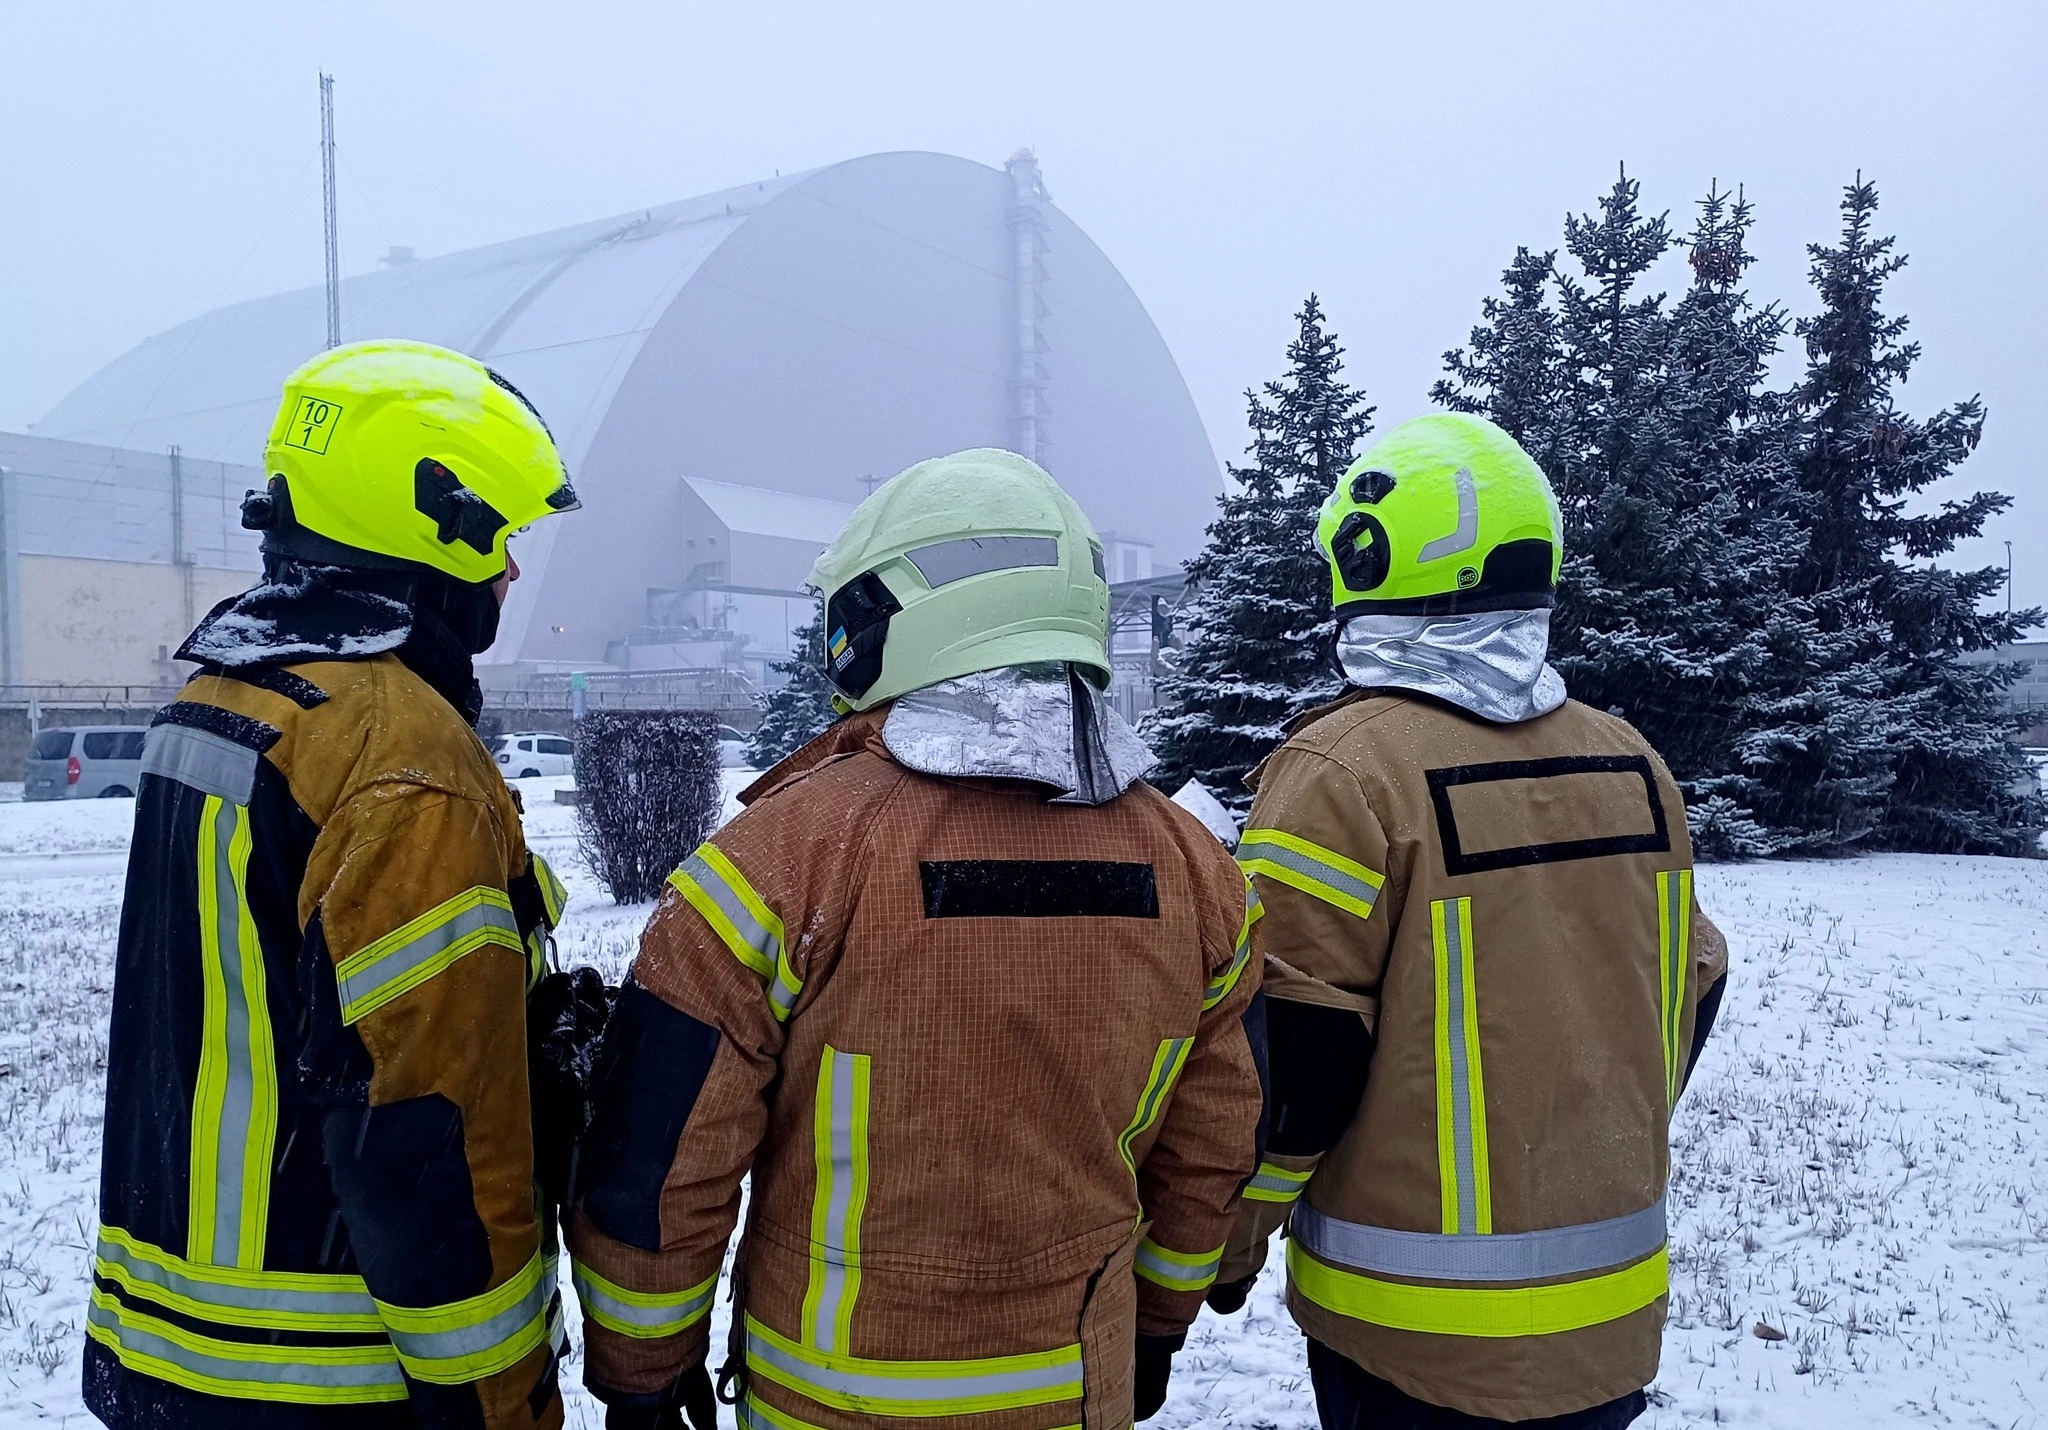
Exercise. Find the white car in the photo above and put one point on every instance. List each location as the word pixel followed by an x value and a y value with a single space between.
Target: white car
pixel 527 753
pixel 732 748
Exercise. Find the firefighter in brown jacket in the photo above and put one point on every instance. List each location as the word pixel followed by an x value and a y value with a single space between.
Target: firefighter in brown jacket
pixel 973 1004
pixel 318 1204
pixel 1487 975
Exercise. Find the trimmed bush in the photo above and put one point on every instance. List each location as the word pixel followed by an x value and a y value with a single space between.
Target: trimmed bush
pixel 649 786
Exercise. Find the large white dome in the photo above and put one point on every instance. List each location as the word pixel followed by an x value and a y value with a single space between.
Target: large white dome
pixel 798 335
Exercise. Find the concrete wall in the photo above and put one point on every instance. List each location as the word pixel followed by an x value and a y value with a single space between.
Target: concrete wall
pixel 111 622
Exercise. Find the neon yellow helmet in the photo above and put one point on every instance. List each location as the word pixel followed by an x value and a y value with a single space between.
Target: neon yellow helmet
pixel 403 454
pixel 1445 514
pixel 970 562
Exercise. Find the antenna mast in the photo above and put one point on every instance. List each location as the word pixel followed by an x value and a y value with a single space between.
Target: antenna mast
pixel 327 194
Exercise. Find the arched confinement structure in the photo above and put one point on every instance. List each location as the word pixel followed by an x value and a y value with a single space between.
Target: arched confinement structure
pixel 806 336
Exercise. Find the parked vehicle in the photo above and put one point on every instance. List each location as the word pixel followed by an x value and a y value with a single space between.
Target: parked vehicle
pixel 98 762
pixel 526 753
pixel 732 749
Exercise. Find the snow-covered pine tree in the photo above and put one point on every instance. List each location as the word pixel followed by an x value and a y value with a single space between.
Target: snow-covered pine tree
pixel 1867 563
pixel 1650 423
pixel 1257 650
pixel 800 709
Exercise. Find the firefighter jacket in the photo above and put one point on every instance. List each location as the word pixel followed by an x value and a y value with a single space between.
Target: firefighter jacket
pixel 317 1197
pixel 1485 960
pixel 987 1058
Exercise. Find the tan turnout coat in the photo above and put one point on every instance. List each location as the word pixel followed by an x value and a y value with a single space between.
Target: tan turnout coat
pixel 1510 908
pixel 983 1056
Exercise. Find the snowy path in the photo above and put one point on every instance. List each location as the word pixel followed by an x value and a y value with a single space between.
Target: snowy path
pixel 1861 1160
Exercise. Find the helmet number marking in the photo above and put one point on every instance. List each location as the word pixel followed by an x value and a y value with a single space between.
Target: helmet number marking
pixel 312 425
pixel 1467 535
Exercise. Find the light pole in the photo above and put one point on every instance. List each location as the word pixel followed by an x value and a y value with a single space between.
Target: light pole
pixel 2008 576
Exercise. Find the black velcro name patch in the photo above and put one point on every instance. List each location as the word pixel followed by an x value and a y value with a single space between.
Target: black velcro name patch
pixel 1038 889
pixel 1595 845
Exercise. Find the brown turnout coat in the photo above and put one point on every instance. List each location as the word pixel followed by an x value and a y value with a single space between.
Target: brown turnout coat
pixel 983 1056
pixel 1509 908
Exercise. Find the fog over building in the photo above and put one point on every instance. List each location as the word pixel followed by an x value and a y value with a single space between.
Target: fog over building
pixel 726 377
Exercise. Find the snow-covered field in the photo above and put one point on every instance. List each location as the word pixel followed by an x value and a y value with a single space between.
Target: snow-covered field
pixel 1860 1160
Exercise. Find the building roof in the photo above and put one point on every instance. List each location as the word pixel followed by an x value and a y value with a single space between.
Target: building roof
pixel 761 512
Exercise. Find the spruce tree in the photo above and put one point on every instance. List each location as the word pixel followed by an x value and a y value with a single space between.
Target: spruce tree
pixel 1866 563
pixel 800 709
pixel 1257 649
pixel 1650 419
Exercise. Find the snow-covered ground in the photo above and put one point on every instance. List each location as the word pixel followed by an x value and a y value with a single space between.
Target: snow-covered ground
pixel 1860 1159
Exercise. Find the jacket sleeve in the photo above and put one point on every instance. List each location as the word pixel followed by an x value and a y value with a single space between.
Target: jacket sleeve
pixel 415 974
pixel 692 1046
pixel 1318 858
pixel 1207 1145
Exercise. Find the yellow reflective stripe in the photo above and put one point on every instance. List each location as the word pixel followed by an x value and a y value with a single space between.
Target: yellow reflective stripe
pixel 554 898
pixel 1176 1270
pixel 1479 1311
pixel 1220 986
pixel 840 1148
pixel 234 1103
pixel 264 1300
pixel 243 1370
pixel 467 1340
pixel 1464 1178
pixel 1305 865
pixel 1166 1066
pixel 642 1315
pixel 715 888
pixel 1674 953
pixel 1276 1184
pixel 914 1388
pixel 415 952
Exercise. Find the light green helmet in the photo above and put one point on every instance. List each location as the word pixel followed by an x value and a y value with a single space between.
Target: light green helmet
pixel 1444 515
pixel 970 562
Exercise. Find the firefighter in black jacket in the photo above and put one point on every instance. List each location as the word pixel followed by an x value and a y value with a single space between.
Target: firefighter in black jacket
pixel 318 1204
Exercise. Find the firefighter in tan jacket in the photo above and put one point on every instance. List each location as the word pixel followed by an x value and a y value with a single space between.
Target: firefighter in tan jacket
pixel 974 1005
pixel 1487 975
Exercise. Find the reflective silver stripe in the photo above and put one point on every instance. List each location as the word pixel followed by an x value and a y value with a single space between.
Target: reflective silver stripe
pixel 757 936
pixel 1458 1061
pixel 201 759
pixel 302 1370
pixel 1503 1256
pixel 1278 1181
pixel 1156 1264
pixel 842 1189
pixel 1309 868
pixel 360 986
pixel 659 1320
pixel 1220 986
pixel 1467 535
pixel 479 1337
pixel 947 561
pixel 919 1388
pixel 350 1297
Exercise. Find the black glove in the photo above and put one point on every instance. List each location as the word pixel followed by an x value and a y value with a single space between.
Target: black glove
pixel 1226 1297
pixel 565 1018
pixel 1155 1364
pixel 690 1394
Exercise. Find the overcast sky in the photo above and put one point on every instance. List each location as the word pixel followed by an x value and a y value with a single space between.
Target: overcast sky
pixel 157 161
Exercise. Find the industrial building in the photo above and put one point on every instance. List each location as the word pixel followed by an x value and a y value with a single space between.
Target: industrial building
pixel 726 376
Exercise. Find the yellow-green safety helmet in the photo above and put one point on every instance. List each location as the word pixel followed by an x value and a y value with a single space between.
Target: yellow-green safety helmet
pixel 970 562
pixel 403 454
pixel 1445 514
